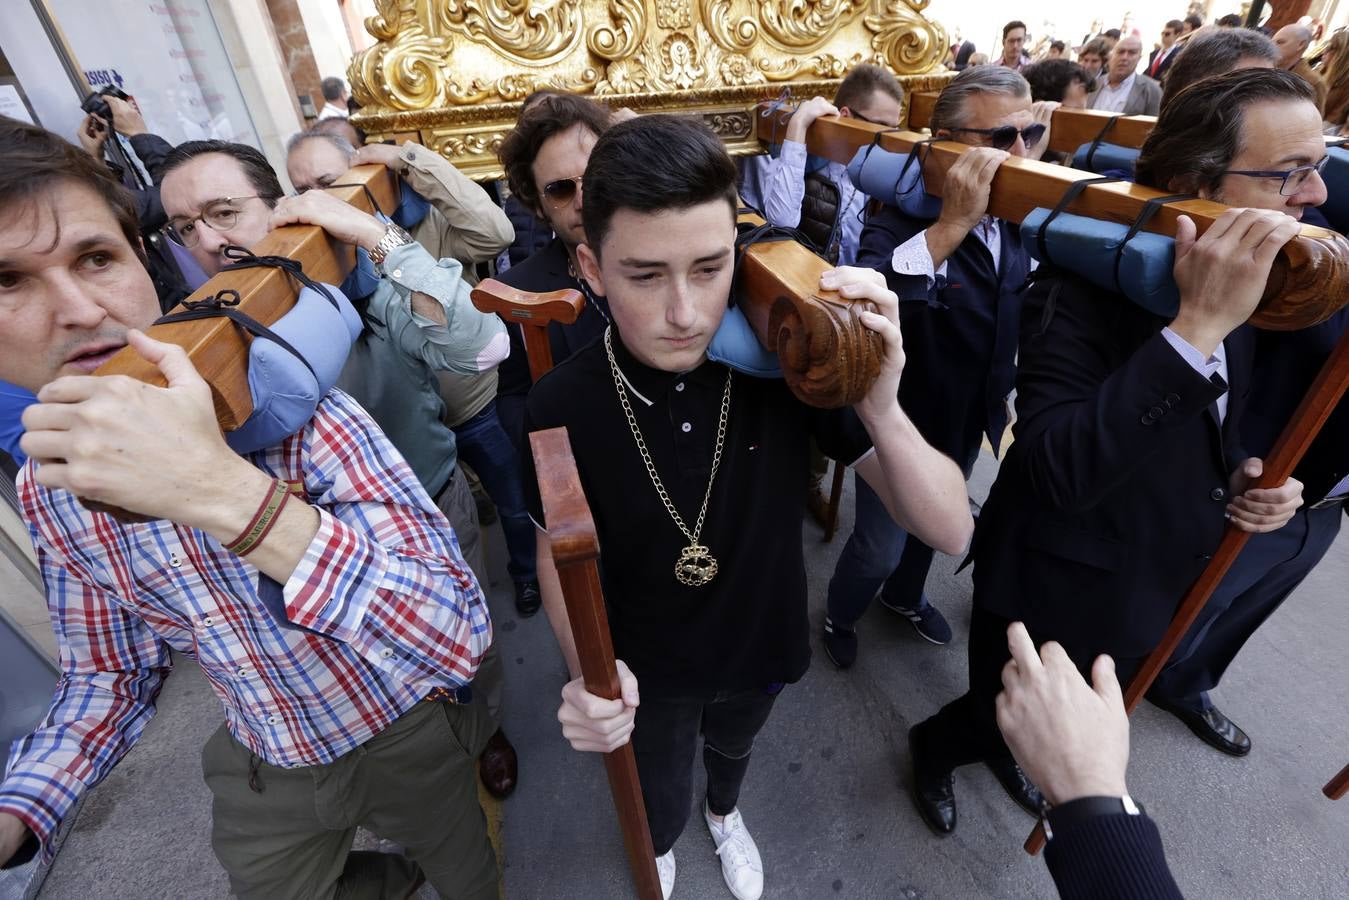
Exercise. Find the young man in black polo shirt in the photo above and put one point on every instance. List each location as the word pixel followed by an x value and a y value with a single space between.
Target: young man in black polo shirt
pixel 692 473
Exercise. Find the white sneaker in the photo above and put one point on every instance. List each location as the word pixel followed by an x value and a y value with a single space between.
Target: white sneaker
pixel 665 868
pixel 740 863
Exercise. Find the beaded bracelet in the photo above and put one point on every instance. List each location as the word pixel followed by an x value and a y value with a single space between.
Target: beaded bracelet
pixel 263 520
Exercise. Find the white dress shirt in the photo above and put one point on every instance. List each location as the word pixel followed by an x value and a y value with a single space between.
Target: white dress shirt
pixel 1215 364
pixel 1113 99
pixel 913 258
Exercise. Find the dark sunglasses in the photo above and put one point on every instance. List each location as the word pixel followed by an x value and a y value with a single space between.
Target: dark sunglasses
pixel 563 190
pixel 1004 136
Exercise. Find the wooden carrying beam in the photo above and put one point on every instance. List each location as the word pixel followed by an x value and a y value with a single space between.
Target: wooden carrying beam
pixel 532 312
pixel 576 550
pixel 1309 281
pixel 217 347
pixel 1338 786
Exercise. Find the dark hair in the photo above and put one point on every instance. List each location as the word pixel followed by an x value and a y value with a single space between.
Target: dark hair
pixel 333 87
pixel 1012 26
pixel 1214 53
pixel 1050 78
pixel 694 168
pixel 1231 20
pixel 1112 33
pixel 33 161
pixel 1058 45
pixel 1098 47
pixel 544 116
pixel 1175 25
pixel 863 82
pixel 1199 132
pixel 251 160
pixel 1194 20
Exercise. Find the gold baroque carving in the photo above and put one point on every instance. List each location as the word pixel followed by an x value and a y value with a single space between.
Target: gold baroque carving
pixel 620 42
pixel 672 14
pixel 905 41
pixel 805 24
pixel 731 125
pixel 526 31
pixel 738 35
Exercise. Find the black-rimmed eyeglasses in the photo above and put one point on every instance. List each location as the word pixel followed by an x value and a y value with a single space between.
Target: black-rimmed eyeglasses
pixel 1294 179
pixel 1004 136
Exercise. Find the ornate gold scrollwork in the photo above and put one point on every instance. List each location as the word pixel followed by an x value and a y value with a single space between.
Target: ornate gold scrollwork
pixel 737 36
pixel 905 40
pixel 805 24
pixel 621 39
pixel 525 31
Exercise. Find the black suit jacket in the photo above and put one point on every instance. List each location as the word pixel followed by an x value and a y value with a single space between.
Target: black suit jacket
pixel 547 269
pixel 1113 496
pixel 1164 67
pixel 960 336
pixel 1286 364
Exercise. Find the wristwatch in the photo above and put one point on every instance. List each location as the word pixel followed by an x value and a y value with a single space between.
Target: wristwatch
pixel 394 237
pixel 1084 808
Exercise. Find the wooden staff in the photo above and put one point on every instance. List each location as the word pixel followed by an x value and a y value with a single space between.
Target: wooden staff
pixel 217 348
pixel 575 548
pixel 1297 436
pixel 533 312
pixel 1309 281
pixel 1338 786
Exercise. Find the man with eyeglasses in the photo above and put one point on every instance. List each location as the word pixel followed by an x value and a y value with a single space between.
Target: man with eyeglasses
pixel 957 280
pixel 418 321
pixel 1124 91
pixel 544 157
pixel 1161 58
pixel 1129 459
pixel 1277 165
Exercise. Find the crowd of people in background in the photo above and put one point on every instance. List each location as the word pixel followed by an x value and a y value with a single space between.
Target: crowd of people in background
pixel 329 581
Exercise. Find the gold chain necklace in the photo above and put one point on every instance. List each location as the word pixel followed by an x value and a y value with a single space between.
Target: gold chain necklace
pixel 696 566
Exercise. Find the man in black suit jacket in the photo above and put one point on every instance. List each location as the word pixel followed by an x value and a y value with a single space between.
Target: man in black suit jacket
pixel 1127 462
pixel 958 280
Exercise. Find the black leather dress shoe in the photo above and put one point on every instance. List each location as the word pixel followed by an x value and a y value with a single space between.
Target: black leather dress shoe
pixel 527 598
pixel 1017 785
pixel 1213 728
pixel 933 788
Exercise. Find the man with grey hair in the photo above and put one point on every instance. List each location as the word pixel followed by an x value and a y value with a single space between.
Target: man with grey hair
pixel 1293 41
pixel 958 280
pixel 334 97
pixel 1216 51
pixel 1124 91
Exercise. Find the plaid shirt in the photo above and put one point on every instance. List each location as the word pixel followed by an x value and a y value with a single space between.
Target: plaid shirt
pixel 380 611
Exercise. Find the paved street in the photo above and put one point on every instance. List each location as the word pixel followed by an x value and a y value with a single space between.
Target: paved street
pixel 826 795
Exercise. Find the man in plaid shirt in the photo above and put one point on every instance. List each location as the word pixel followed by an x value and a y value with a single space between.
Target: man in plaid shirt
pixel 341 643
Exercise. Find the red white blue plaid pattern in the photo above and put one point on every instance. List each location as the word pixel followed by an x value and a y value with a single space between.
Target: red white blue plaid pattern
pixel 381 610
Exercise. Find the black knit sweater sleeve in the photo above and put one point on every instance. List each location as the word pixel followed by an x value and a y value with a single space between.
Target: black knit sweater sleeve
pixel 1111 857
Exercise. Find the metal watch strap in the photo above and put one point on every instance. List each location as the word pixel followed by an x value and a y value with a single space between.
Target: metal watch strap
pixel 1084 808
pixel 394 236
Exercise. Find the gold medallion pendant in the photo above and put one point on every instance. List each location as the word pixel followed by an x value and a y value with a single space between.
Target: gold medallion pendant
pixel 696 566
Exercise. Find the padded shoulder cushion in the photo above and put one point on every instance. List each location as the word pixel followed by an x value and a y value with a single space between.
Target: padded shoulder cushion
pixel 882 175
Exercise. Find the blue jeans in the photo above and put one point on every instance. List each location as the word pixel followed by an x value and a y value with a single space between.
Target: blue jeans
pixel 879 556
pixel 484 445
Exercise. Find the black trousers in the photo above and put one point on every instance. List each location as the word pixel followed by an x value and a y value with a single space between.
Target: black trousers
pixel 665 739
pixel 966 730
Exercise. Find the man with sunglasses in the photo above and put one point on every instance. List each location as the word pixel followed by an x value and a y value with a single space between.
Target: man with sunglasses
pixel 957 279
pixel 1129 461
pixel 419 321
pixel 544 157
